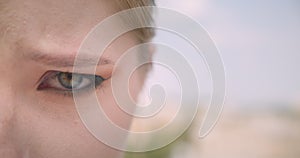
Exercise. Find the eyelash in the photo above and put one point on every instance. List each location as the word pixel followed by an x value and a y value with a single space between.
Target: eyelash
pixel 55 80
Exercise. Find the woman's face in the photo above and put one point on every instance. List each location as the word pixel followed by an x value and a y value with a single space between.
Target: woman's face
pixel 38 42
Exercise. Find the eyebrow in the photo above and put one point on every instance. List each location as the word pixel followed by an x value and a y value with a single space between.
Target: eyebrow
pixel 58 60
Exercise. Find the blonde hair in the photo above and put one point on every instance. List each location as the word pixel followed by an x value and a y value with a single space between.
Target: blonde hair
pixel 144 34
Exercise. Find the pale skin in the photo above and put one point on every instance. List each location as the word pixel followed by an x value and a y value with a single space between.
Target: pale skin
pixel 44 123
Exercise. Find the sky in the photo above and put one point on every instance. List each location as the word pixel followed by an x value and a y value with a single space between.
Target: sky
pixel 259 42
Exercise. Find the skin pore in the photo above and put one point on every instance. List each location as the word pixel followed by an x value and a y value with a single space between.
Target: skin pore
pixel 40 38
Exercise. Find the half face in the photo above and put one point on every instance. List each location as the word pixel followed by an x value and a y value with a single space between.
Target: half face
pixel 38 44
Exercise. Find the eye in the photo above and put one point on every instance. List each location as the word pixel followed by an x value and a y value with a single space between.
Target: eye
pixel 66 81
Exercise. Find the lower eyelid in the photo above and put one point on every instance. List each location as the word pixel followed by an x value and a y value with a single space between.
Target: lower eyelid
pixel 86 91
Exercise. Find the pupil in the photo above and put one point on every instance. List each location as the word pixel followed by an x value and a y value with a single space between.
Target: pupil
pixel 69 76
pixel 69 81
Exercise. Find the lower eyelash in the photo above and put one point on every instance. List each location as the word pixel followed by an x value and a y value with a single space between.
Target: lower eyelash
pixel 82 91
pixel 52 75
pixel 65 93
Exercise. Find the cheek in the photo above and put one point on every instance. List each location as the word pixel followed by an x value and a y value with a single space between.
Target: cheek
pixel 112 108
pixel 113 103
pixel 136 83
pixel 54 129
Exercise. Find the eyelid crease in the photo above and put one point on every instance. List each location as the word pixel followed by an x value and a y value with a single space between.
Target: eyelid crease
pixel 68 60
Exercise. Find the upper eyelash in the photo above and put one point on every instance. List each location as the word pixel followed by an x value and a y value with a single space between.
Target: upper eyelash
pixel 53 74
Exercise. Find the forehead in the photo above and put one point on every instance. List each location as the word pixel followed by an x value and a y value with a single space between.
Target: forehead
pixel 52 23
pixel 52 17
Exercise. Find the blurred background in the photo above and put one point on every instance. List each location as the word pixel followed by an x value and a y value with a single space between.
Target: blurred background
pixel 259 42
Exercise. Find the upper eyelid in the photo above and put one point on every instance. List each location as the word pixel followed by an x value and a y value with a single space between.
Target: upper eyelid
pixel 52 73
